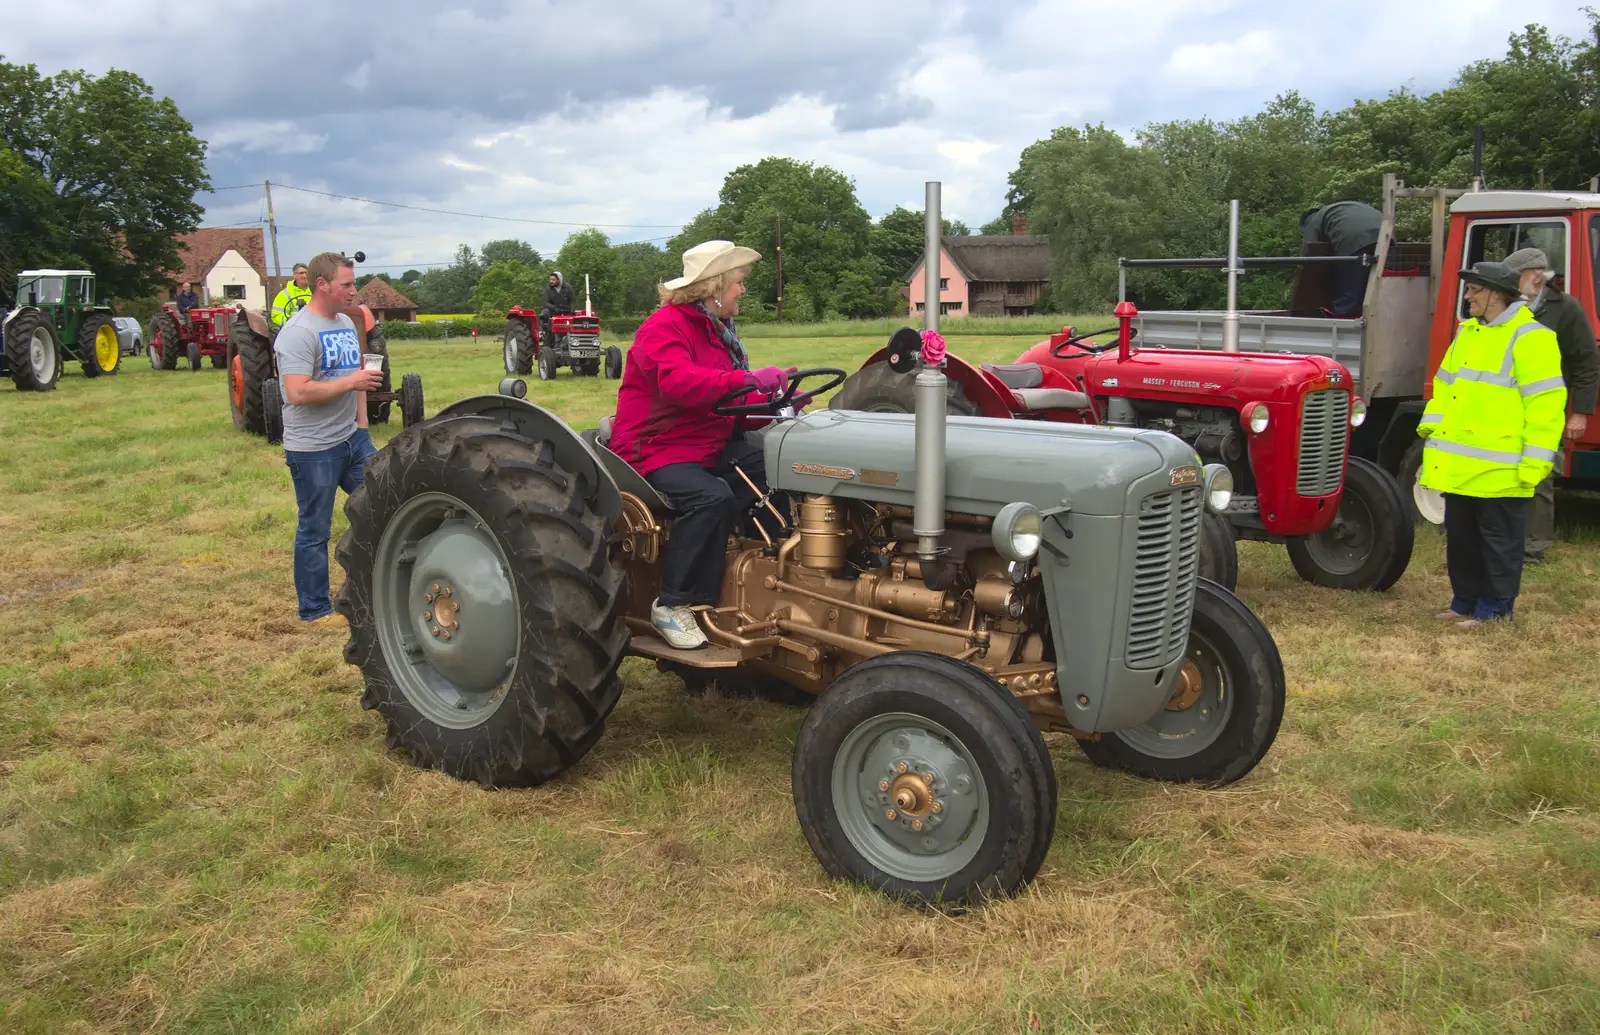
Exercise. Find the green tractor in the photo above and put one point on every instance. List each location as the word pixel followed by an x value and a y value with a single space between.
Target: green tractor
pixel 56 317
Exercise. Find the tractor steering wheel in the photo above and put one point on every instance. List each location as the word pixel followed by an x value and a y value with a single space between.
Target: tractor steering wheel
pixel 774 405
pixel 1077 342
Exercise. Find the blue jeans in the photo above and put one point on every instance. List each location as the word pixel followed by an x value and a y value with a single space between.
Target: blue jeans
pixel 318 475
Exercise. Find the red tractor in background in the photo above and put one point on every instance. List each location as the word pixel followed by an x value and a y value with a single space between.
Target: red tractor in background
pixel 1281 424
pixel 565 340
pixel 205 334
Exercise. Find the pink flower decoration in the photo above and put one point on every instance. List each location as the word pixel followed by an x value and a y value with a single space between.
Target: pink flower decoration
pixel 932 348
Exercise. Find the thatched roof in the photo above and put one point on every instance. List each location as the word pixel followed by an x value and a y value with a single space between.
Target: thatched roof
pixel 380 294
pixel 998 257
pixel 202 249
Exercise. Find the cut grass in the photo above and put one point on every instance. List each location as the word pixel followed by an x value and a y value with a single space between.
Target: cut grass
pixel 201 830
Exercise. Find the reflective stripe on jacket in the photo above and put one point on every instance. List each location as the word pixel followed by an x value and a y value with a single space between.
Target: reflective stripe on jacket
pixel 1498 409
pixel 290 300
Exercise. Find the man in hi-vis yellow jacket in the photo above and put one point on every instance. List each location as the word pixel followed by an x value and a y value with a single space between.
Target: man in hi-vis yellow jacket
pixel 1490 435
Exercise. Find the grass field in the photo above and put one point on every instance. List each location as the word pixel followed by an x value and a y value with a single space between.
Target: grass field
pixel 201 831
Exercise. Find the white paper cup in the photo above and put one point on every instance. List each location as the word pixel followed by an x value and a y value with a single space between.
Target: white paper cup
pixel 372 360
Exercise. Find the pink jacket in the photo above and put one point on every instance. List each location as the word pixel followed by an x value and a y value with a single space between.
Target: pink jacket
pixel 677 368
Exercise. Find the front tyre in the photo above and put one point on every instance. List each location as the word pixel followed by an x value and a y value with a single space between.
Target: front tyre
pixel 922 777
pixel 1368 546
pixel 411 412
pixel 547 363
pixel 613 360
pixel 1423 503
pixel 484 613
pixel 1225 710
pixel 378 344
pixel 1219 551
pixel 98 348
pixel 272 411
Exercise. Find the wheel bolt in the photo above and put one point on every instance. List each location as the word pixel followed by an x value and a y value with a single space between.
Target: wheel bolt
pixel 891 815
pixel 427 616
pixel 434 588
pixel 901 767
pixel 427 598
pixel 447 634
pixel 449 592
pixel 936 808
pixel 435 630
pixel 916 824
pixel 883 785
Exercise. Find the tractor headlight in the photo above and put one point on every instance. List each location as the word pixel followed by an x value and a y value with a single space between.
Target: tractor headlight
pixel 1256 417
pixel 1358 412
pixel 1017 531
pixel 515 387
pixel 1219 487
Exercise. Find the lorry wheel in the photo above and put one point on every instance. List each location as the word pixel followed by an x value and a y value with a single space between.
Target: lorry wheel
pixel 33 354
pixel 485 669
pixel 518 347
pixel 194 356
pixel 1368 546
pixel 919 775
pixel 249 366
pixel 1219 551
pixel 272 411
pixel 162 325
pixel 613 362
pixel 878 389
pixel 378 344
pixel 1225 712
pixel 1424 504
pixel 547 364
pixel 411 400
pixel 98 349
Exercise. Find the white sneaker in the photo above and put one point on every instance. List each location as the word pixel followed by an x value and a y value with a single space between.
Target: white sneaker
pixel 677 626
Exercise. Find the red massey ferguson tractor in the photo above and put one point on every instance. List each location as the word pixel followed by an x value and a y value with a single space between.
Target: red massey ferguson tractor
pixel 206 334
pixel 1281 423
pixel 255 398
pixel 570 340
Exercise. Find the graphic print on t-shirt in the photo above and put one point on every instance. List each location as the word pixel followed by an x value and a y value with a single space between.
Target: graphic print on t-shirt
pixel 341 351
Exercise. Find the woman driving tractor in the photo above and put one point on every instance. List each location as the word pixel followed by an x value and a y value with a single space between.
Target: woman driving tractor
pixel 686 359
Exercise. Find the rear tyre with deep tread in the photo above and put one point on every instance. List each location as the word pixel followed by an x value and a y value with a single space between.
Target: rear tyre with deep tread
pixel 518 344
pixel 879 389
pixel 249 366
pixel 571 638
pixel 1219 551
pixel 33 353
pixel 1219 734
pixel 165 327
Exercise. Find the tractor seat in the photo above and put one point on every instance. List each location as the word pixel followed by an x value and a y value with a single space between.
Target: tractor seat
pixel 1017 375
pixel 1035 399
pixel 627 479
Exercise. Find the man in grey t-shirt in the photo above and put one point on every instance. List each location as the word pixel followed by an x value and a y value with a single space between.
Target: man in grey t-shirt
pixel 325 438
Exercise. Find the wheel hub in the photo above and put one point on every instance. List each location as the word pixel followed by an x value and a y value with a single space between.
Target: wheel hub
pixel 236 380
pixel 1190 685
pixel 106 347
pixel 466 612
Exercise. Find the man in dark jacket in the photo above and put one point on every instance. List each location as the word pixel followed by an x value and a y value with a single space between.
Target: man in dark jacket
pixel 186 300
pixel 1349 228
pixel 1580 368
pixel 557 299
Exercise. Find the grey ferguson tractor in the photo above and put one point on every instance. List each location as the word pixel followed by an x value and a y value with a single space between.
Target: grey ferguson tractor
pixel 946 590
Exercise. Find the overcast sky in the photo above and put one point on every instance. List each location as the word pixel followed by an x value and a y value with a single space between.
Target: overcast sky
pixel 627 114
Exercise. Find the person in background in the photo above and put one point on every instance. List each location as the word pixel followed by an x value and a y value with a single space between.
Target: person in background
pixel 684 359
pixel 1489 437
pixel 295 296
pixel 325 437
pixel 1580 368
pixel 186 300
pixel 1349 228
pixel 557 299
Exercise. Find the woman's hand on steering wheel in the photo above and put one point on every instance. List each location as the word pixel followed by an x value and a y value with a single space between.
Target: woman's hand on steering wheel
pixel 1077 342
pixel 788 398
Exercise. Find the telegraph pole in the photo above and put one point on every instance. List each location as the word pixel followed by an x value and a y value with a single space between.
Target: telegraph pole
pixel 778 223
pixel 272 225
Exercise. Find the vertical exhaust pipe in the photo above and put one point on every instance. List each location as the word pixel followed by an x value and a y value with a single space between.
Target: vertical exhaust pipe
pixel 1230 319
pixel 588 306
pixel 927 520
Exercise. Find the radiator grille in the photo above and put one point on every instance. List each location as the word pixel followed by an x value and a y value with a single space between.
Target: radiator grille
pixel 1166 564
pixel 584 344
pixel 1324 431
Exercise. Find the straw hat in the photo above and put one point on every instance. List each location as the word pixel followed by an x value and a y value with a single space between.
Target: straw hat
pixel 704 261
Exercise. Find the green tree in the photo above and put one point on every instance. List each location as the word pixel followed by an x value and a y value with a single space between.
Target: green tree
pixel 857 295
pixel 511 251
pixel 449 288
pixel 121 167
pixel 999 226
pixel 589 252
pixel 825 229
pixel 642 266
pixel 410 276
pixel 897 241
pixel 505 284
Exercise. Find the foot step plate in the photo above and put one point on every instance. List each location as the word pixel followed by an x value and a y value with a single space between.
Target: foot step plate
pixel 709 656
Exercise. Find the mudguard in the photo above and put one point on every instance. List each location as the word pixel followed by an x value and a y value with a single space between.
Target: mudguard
pixel 990 398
